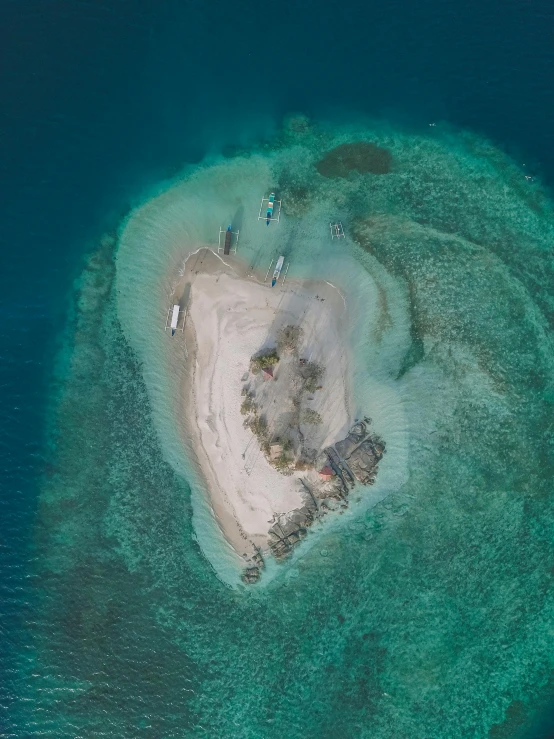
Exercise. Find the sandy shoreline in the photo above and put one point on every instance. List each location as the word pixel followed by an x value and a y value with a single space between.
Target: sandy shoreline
pixel 230 317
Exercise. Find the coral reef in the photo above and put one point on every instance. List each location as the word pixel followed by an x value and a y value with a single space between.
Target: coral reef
pixel 359 156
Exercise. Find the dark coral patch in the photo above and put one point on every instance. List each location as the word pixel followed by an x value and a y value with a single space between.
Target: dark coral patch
pixel 360 156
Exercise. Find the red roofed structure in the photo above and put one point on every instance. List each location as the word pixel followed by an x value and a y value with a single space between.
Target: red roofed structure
pixel 268 373
pixel 326 473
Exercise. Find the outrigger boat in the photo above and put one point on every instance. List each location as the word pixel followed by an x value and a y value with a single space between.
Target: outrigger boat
pixel 270 209
pixel 269 213
pixel 228 245
pixel 172 320
pixel 277 272
pixel 228 237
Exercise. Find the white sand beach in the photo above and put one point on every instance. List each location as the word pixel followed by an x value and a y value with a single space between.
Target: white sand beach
pixel 230 318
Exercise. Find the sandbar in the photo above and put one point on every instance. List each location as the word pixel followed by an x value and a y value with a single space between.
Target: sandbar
pixel 230 317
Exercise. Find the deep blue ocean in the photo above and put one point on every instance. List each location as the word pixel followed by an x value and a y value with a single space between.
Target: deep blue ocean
pixel 98 100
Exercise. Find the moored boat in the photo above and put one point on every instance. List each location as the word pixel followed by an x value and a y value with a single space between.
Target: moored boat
pixel 174 319
pixel 277 271
pixel 228 237
pixel 270 204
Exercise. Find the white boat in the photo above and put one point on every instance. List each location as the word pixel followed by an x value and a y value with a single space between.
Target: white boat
pixel 277 272
pixel 174 319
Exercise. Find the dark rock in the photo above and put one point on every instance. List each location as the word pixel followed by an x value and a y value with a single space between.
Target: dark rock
pixel 251 575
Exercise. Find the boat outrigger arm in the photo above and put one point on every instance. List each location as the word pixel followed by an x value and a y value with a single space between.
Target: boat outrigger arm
pixel 269 205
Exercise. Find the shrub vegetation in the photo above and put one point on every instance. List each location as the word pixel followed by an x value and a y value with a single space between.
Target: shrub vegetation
pixel 267 358
pixel 288 338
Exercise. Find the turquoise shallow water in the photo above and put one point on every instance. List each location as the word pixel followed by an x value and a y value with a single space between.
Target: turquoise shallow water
pixel 427 612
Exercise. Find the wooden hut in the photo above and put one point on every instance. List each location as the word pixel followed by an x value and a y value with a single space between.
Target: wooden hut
pixel 326 474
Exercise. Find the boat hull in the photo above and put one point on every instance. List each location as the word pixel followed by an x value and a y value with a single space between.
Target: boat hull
pixel 277 271
pixel 269 212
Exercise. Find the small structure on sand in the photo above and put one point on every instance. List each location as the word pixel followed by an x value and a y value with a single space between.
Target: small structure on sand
pixel 267 373
pixel 326 474
pixel 275 451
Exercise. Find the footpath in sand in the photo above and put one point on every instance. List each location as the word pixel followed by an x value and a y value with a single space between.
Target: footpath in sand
pixel 230 319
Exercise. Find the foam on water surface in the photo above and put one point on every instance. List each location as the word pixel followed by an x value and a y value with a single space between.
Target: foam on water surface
pixel 424 610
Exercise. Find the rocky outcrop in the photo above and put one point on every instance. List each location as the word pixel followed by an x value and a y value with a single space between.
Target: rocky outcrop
pixel 360 453
pixel 288 530
pixel 251 575
pixel 253 572
pixel 353 459
pixel 329 475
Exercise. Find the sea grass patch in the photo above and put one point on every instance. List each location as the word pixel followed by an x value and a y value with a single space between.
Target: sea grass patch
pixel 359 156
